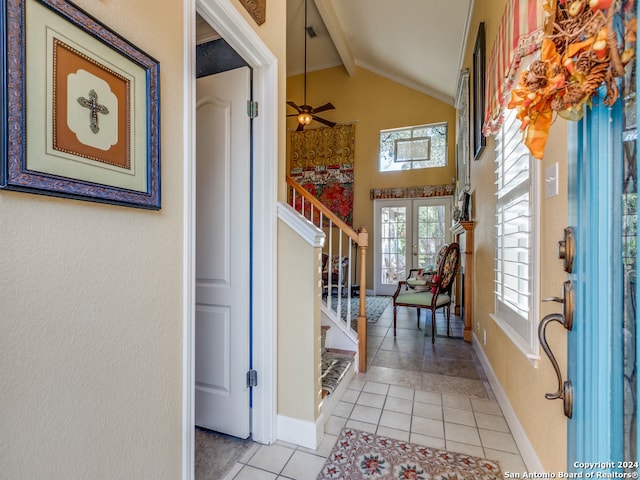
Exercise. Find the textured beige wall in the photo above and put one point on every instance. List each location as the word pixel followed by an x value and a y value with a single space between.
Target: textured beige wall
pixel 375 103
pixel 91 316
pixel 299 387
pixel 525 385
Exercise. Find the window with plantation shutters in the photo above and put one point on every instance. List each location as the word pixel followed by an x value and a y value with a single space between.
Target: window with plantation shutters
pixel 516 233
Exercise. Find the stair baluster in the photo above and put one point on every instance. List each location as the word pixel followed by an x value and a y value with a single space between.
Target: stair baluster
pixel 343 287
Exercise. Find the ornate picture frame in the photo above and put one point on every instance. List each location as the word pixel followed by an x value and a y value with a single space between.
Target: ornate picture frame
pixel 257 9
pixel 463 166
pixel 80 107
pixel 479 141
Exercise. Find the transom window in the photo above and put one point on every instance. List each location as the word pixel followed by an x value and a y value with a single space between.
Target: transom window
pixel 409 148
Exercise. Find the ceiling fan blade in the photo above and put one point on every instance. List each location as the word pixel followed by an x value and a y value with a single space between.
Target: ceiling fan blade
pixel 292 104
pixel 323 108
pixel 326 122
pixel 300 127
pixel 293 115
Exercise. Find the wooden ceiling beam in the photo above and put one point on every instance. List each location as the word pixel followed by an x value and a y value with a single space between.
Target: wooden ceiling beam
pixel 338 36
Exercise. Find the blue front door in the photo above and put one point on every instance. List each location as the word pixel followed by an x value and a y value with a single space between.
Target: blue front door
pixel 603 343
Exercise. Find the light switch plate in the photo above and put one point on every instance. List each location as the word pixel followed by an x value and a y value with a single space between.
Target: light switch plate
pixel 551 181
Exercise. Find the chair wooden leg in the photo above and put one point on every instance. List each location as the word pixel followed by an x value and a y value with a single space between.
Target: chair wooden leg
pixel 448 320
pixel 418 319
pixel 433 326
pixel 394 319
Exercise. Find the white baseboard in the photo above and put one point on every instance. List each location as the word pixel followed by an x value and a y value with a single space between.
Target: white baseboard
pixel 301 432
pixel 527 452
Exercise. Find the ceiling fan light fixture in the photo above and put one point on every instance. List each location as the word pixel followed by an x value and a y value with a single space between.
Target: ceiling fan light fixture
pixel 306 113
pixel 304 118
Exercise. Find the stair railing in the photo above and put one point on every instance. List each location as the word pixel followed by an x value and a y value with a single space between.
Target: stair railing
pixel 337 294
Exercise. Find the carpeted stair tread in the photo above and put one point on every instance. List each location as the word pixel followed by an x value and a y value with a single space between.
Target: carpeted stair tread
pixel 340 351
pixel 334 365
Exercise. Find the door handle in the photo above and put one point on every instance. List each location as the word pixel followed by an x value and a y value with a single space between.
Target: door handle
pixel 568 303
pixel 565 389
pixel 566 252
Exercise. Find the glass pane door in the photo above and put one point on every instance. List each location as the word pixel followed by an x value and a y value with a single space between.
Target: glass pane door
pixel 603 343
pixel 430 234
pixel 409 234
pixel 393 245
pixel 629 258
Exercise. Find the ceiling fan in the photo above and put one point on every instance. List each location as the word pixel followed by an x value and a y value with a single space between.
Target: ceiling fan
pixel 306 113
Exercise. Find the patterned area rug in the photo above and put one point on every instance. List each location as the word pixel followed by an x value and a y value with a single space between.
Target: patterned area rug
pixel 359 455
pixel 376 304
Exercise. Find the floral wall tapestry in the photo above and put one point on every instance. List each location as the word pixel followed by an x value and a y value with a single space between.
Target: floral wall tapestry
pixel 322 162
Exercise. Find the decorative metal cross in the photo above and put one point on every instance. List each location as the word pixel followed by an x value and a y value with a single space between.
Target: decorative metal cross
pixel 94 108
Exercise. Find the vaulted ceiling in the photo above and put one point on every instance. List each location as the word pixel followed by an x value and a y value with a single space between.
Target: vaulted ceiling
pixel 417 43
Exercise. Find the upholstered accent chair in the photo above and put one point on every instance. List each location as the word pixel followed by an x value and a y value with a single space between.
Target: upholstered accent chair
pixel 437 296
pixel 420 279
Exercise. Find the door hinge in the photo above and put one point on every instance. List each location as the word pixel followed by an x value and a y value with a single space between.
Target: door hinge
pixel 252 378
pixel 252 109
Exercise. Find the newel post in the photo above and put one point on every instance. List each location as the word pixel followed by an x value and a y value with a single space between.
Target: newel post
pixel 363 242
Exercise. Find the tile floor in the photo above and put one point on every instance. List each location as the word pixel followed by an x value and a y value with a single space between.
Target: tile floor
pixel 433 395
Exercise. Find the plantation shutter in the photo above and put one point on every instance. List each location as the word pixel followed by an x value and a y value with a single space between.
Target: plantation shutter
pixel 513 258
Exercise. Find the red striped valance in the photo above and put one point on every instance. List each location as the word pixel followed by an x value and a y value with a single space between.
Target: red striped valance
pixel 519 35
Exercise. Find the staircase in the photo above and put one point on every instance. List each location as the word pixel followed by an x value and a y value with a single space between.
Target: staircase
pixel 348 323
pixel 337 373
pixel 336 364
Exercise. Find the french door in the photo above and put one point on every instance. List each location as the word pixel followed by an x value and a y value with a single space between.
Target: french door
pixel 603 343
pixel 408 234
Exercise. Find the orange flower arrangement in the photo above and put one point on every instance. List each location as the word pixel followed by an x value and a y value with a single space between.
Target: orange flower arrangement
pixel 580 53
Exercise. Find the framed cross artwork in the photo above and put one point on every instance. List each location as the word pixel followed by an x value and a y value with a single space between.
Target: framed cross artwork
pixel 80 107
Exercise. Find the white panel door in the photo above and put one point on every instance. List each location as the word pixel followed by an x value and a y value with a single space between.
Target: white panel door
pixel 223 252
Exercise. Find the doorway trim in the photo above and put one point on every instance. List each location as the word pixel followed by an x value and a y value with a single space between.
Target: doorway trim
pixel 223 16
